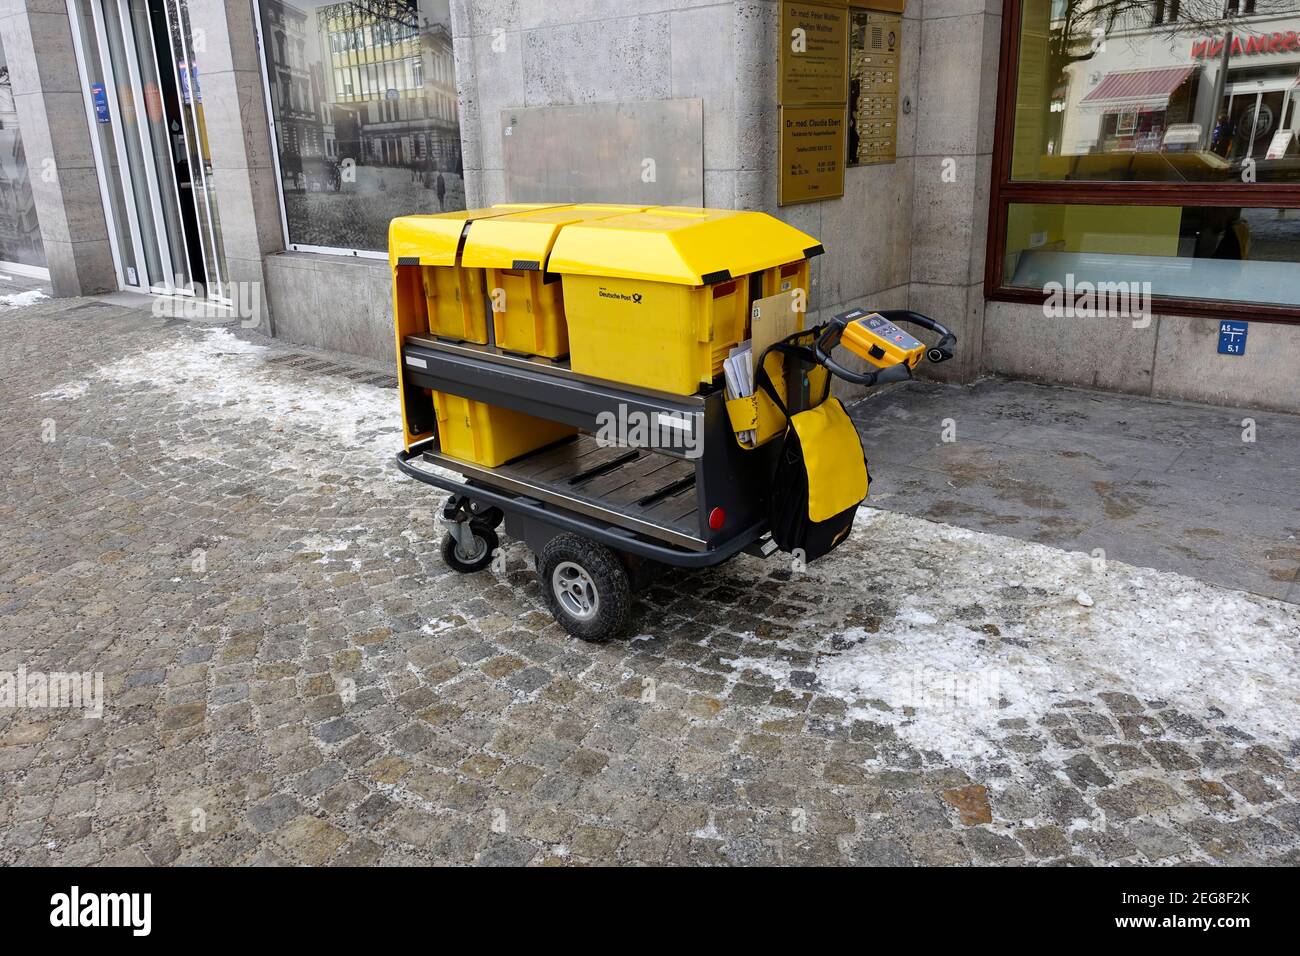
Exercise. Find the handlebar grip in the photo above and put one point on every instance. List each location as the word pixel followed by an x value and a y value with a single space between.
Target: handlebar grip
pixel 881 376
pixel 943 349
pixel 894 373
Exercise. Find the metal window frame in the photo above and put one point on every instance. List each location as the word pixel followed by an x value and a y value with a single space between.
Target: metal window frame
pixel 26 270
pixel 142 283
pixel 74 22
pixel 132 56
pixel 208 238
pixel 1004 191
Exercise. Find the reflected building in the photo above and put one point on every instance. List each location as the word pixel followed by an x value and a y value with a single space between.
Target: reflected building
pixel 1167 75
pixel 389 84
pixel 295 83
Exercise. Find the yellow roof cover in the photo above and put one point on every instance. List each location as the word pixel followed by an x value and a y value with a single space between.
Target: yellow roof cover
pixel 681 244
pixel 434 239
pixel 522 240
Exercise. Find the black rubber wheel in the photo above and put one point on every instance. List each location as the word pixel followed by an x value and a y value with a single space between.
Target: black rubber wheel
pixel 485 541
pixel 586 587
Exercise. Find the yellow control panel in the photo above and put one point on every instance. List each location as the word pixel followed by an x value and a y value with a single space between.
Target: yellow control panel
pixel 882 343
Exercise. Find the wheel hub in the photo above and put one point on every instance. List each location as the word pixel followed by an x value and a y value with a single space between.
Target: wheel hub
pixel 575 590
pixel 479 547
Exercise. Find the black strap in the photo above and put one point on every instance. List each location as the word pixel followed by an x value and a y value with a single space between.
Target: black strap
pixel 790 347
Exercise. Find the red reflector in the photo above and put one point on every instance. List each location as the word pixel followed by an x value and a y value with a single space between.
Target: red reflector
pixel 716 517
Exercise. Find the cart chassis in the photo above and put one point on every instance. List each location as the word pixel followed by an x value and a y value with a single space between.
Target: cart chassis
pixel 537 522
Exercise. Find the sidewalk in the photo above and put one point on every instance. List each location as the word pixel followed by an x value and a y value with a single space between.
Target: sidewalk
pixel 215 526
pixel 1167 485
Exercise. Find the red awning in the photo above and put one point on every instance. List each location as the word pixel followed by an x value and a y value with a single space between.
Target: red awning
pixel 1139 89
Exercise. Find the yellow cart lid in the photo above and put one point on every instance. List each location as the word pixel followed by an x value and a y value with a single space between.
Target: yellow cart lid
pixel 523 240
pixel 433 240
pixel 681 244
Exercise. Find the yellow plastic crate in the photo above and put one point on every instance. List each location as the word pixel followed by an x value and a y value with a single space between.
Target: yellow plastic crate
pixel 455 303
pixel 490 435
pixel 526 301
pixel 451 302
pixel 654 335
pixel 658 298
pixel 783 278
pixel 529 315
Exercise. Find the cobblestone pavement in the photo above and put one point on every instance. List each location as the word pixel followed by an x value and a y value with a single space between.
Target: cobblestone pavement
pixel 292 676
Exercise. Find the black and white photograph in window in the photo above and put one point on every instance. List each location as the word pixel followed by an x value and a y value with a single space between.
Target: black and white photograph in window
pixel 363 99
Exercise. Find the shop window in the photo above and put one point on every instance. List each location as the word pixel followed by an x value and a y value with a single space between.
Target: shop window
pixel 1149 138
pixel 344 167
pixel 1212 253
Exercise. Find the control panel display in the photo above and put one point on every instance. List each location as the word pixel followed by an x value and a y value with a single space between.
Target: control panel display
pixel 874 338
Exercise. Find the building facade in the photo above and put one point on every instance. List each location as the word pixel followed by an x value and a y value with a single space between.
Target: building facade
pixel 1085 190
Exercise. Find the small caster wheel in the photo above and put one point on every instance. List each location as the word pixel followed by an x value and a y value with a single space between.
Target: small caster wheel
pixel 586 587
pixel 485 543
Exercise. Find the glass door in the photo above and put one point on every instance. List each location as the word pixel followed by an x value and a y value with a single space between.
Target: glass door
pixel 190 146
pixel 141 83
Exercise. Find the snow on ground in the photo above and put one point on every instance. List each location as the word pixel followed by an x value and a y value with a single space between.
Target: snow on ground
pixel 327 423
pixel 229 375
pixel 15 299
pixel 989 629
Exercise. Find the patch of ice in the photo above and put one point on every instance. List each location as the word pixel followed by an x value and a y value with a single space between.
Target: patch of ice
pixel 1022 643
pixel 16 299
pixel 318 544
pixel 709 831
pixel 911 615
pixel 222 376
pixel 67 392
pixel 333 426
pixel 225 373
pixel 438 626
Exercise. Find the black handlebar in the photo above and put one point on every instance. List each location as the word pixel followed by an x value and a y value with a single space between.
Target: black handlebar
pixel 825 343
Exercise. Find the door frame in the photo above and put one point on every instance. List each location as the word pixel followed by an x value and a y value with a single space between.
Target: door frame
pixel 110 93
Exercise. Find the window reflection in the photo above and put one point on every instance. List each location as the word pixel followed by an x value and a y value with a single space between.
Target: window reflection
pixel 364 97
pixel 1161 90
